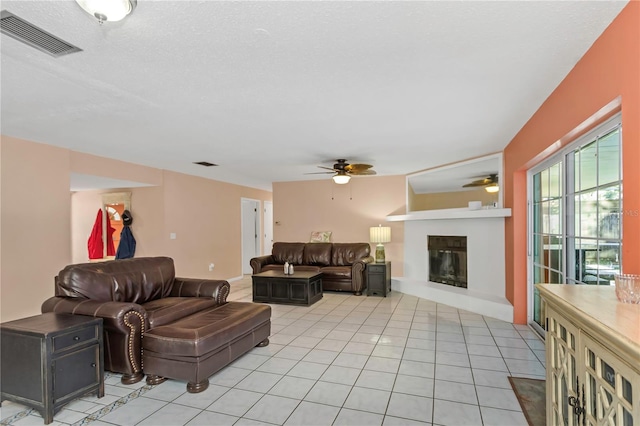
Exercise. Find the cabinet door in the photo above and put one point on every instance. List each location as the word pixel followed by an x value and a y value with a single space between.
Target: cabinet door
pixel 562 374
pixel 76 372
pixel 612 392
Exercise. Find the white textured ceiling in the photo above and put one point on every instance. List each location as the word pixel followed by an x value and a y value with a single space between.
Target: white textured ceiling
pixel 269 90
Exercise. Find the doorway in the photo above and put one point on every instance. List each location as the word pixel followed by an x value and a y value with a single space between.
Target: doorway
pixel 250 232
pixel 268 227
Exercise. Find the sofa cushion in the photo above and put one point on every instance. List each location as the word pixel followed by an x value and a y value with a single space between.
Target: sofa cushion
pixel 137 280
pixel 288 252
pixel 347 253
pixel 336 272
pixel 169 309
pixel 317 254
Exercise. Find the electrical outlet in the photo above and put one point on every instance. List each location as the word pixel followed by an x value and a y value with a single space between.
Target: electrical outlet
pixel 211 266
pixel 172 236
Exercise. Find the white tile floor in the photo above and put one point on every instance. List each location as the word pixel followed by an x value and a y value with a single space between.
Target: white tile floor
pixel 346 360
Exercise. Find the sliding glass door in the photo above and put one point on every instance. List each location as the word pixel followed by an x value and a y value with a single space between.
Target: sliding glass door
pixel 575 210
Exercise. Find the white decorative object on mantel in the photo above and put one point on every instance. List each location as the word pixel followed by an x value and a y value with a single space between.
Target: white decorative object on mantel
pixel 461 213
pixel 475 205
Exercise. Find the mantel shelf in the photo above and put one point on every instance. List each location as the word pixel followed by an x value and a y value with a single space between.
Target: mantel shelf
pixel 462 213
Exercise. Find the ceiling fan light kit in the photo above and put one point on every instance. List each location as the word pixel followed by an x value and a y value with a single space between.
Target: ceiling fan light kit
pixel 108 10
pixel 341 178
pixel 492 188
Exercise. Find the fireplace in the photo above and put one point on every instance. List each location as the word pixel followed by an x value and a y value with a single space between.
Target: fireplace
pixel 448 260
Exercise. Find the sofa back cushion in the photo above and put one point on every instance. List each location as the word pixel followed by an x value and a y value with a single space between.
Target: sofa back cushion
pixel 346 253
pixel 137 280
pixel 317 254
pixel 288 252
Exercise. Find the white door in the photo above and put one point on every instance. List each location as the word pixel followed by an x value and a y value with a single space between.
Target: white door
pixel 268 227
pixel 250 232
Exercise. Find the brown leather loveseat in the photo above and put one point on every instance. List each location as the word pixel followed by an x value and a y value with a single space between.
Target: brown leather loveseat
pixel 158 324
pixel 342 264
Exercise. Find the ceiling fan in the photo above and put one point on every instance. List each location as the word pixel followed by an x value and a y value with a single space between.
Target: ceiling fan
pixel 343 171
pixel 490 183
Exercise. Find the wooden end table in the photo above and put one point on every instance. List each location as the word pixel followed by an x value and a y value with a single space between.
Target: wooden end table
pixel 378 276
pixel 50 359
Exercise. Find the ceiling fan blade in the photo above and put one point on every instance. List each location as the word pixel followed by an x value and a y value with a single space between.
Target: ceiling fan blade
pixel 474 184
pixel 320 173
pixel 362 172
pixel 328 168
pixel 490 180
pixel 357 167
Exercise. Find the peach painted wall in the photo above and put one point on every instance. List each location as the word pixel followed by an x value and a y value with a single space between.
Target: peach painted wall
pixel 205 215
pixel 348 211
pixel 35 221
pixel 100 166
pixel 604 81
pixel 37 210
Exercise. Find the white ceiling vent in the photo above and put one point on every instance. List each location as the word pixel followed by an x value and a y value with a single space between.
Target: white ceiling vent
pixel 23 31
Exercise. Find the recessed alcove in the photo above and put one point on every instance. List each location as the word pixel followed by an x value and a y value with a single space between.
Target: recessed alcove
pixel 443 187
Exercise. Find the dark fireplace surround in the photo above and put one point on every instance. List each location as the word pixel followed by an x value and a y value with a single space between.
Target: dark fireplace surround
pixel 448 260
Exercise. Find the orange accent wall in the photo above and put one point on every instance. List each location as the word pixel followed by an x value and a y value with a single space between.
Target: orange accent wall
pixel 605 80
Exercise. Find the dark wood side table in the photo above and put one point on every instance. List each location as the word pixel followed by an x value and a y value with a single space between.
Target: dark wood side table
pixel 50 359
pixel 378 279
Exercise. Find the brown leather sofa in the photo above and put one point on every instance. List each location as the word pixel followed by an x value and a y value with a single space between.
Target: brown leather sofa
pixel 342 264
pixel 190 331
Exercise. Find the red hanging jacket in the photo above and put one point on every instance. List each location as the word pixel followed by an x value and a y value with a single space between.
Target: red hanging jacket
pixel 95 239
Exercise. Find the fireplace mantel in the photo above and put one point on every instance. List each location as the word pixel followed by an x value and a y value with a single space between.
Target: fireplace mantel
pixel 461 213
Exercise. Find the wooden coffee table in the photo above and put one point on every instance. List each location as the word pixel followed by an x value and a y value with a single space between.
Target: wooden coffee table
pixel 301 288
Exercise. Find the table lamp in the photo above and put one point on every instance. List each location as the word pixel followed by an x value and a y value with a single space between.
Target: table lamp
pixel 380 234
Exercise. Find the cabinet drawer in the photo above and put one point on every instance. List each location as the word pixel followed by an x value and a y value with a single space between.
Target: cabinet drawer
pixel 376 269
pixel 75 337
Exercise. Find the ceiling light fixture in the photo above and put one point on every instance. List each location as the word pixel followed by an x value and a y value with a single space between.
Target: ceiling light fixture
pixel 341 177
pixel 492 188
pixel 108 10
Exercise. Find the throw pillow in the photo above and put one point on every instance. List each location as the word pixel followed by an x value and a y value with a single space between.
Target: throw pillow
pixel 320 237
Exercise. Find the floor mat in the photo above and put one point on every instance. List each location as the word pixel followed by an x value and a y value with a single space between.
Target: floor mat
pixel 531 395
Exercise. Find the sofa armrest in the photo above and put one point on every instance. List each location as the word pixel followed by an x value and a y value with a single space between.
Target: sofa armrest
pixel 123 324
pixel 258 262
pixel 193 287
pixel 357 274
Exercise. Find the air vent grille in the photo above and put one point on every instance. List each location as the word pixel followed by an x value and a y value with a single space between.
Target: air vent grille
pixel 23 31
pixel 204 163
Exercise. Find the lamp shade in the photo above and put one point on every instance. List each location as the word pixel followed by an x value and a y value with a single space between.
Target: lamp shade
pixel 380 234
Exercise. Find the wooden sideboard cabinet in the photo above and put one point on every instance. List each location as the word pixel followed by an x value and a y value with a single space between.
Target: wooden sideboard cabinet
pixel 592 356
pixel 50 359
pixel 378 277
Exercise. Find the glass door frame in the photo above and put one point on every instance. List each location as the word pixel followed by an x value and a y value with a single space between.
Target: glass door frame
pixel 562 156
